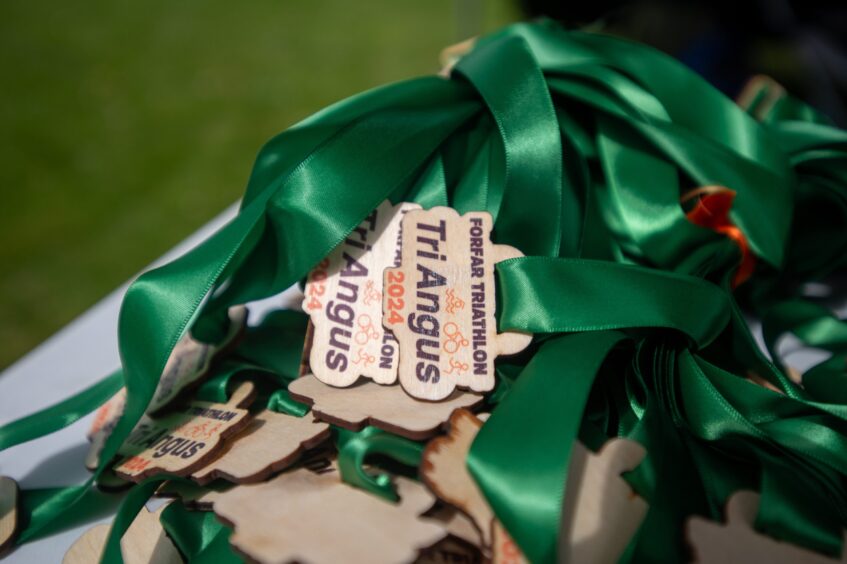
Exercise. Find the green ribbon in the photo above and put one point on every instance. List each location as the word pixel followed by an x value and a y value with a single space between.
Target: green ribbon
pixel 194 532
pixel 60 415
pixel 528 492
pixel 355 447
pixel 580 145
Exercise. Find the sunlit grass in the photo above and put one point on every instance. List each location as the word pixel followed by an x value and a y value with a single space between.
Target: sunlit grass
pixel 124 126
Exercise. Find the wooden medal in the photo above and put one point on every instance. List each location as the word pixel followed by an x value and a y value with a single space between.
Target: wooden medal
pixel 184 440
pixel 187 366
pixel 190 361
pixel 194 496
pixel 737 542
pixel 600 513
pixel 320 460
pixel 386 407
pixel 343 297
pixel 89 547
pixel 270 442
pixel 9 522
pixel 443 469
pixel 145 542
pixel 440 303
pixel 304 516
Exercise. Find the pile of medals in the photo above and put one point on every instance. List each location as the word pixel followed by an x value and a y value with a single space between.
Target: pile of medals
pixel 362 456
pixel 400 346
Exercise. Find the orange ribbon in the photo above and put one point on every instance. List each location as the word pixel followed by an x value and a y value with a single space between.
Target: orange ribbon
pixel 712 211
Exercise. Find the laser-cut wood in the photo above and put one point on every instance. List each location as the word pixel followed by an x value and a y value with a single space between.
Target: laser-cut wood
pixel 386 407
pixel 184 440
pixel 270 442
pixel 343 297
pixel 440 303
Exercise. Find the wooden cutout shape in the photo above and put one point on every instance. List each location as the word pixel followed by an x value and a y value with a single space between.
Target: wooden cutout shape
pixel 89 547
pixel 440 303
pixel 601 512
pixel 184 440
pixel 105 419
pixel 444 471
pixel 194 496
pixel 320 460
pixel 307 517
pixel 451 54
pixel 190 361
pixel 736 541
pixel 145 542
pixel 9 496
pixel 343 297
pixel 272 441
pixel 385 407
pixel 187 366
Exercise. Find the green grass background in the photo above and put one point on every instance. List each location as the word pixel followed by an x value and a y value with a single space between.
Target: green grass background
pixel 125 126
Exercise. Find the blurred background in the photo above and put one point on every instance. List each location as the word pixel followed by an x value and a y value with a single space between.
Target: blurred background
pixel 125 126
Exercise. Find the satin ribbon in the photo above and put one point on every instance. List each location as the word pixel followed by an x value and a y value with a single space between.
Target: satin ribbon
pixel 712 207
pixel 580 145
pixel 198 535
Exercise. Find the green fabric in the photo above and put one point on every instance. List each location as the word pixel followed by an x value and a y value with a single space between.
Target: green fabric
pixel 60 415
pixel 197 534
pixel 355 447
pixel 580 145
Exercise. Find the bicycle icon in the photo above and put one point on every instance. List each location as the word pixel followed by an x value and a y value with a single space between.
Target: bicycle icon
pixel 455 340
pixel 366 330
pixel 372 295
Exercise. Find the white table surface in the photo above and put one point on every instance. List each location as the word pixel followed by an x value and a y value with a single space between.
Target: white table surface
pixel 78 355
pixel 85 351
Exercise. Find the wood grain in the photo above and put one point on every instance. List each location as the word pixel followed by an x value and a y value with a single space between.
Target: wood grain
pixel 9 498
pixel 271 442
pixel 184 440
pixel 386 407
pixel 144 542
pixel 190 361
pixel 737 542
pixel 343 297
pixel 307 517
pixel 187 366
pixel 440 303
pixel 444 470
pixel 194 496
pixel 600 512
